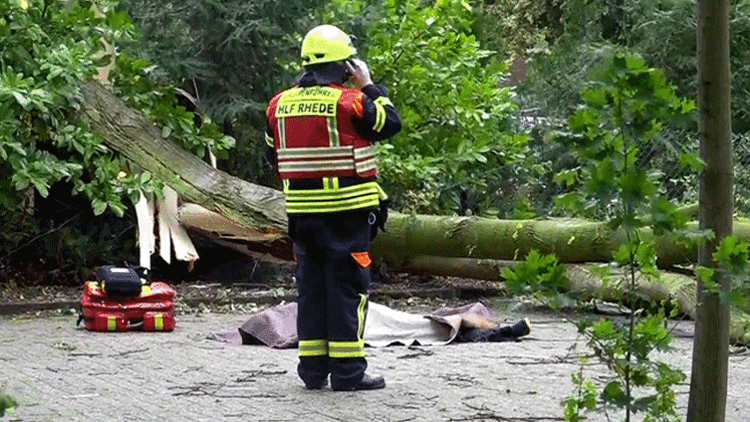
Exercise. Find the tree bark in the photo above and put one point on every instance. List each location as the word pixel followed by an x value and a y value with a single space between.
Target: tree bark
pixel 259 209
pixel 570 240
pixel 708 383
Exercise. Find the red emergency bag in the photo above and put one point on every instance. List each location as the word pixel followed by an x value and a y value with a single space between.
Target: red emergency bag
pixel 151 310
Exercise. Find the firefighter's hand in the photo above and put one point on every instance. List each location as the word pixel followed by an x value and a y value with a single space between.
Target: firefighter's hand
pixel 358 73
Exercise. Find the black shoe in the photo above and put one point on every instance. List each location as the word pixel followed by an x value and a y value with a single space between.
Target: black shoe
pixel 367 383
pixel 318 386
pixel 521 328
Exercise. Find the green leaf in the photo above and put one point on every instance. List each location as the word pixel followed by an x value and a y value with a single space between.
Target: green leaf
pixel 639 376
pixel 691 161
pixel 21 180
pixel 42 187
pixel 732 255
pixel 603 329
pixel 23 100
pixel 571 201
pixel 99 206
pixel 594 97
pixel 582 121
pixel 118 20
pixel 644 404
pixel 706 275
pixel 614 393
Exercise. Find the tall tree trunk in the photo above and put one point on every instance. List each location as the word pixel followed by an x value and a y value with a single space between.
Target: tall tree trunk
pixel 708 384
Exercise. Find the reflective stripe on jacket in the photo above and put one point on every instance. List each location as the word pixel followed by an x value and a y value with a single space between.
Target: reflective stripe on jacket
pixel 333 197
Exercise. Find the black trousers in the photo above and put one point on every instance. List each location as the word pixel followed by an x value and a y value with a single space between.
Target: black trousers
pixel 332 287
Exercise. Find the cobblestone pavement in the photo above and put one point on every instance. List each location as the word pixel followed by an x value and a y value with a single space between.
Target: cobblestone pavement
pixel 60 372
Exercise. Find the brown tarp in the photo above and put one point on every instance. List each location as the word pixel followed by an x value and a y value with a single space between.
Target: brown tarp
pixel 276 326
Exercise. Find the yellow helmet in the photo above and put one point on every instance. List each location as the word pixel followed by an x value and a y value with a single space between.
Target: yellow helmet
pixel 325 44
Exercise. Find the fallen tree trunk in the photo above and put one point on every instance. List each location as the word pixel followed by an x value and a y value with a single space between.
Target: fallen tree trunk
pixel 675 289
pixel 257 208
pixel 570 240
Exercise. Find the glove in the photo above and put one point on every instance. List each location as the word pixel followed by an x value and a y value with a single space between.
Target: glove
pixel 358 73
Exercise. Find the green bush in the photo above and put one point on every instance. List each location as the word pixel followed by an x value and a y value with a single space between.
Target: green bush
pixel 49 49
pixel 457 150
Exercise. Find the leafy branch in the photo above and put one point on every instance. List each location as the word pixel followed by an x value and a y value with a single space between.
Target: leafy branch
pixel 624 109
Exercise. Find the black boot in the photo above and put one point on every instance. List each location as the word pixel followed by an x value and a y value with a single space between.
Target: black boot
pixel 366 383
pixel 521 328
pixel 504 333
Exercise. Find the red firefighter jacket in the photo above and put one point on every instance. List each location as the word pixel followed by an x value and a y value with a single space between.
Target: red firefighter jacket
pixel 322 142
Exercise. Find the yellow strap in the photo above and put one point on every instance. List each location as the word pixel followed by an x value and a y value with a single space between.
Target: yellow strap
pixel 352 349
pixel 384 101
pixel 379 118
pixel 381 194
pixel 312 206
pixel 380 114
pixel 309 348
pixel 361 316
pixel 365 195
pixel 330 183
pixel 281 128
pixel 346 349
pixel 333 132
pixel 158 322
pixel 328 193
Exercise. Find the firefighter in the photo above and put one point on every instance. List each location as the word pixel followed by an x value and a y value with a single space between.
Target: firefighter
pixel 321 138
